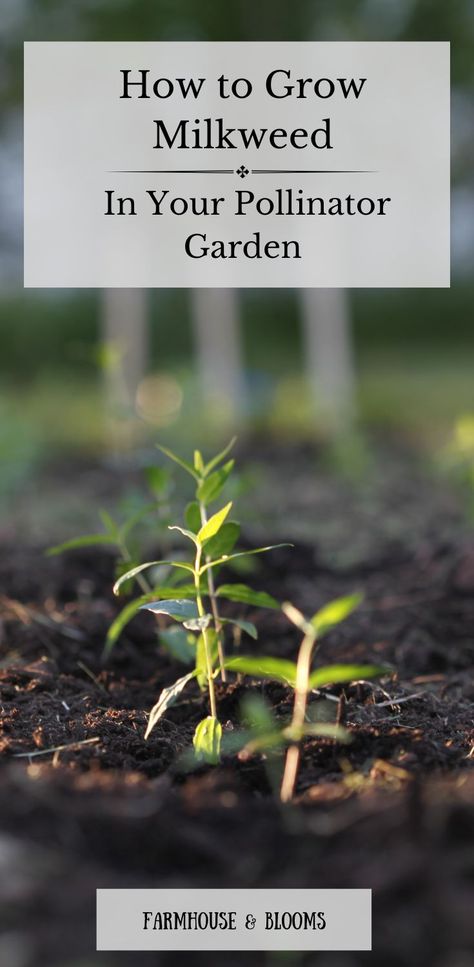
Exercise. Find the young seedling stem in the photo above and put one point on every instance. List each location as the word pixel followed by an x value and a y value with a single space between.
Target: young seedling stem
pixel 201 612
pixel 303 669
pixel 213 600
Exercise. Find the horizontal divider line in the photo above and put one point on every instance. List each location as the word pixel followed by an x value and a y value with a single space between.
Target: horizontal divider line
pixel 231 171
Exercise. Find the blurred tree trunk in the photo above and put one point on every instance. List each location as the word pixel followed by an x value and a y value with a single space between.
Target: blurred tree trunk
pixel 125 347
pixel 215 320
pixel 328 354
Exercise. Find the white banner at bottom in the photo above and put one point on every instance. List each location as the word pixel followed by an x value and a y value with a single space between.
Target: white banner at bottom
pixel 194 919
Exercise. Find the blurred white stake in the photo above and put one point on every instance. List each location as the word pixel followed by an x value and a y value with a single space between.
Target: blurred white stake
pixel 215 319
pixel 125 338
pixel 328 355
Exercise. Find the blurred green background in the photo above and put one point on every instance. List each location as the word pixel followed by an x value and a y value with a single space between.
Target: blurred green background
pixel 412 350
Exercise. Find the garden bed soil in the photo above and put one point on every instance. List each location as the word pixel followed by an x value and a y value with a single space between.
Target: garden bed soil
pixel 393 811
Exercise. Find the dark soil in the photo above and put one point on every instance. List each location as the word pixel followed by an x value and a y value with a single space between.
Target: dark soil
pixel 393 811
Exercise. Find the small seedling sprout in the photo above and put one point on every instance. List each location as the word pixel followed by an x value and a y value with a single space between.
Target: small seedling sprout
pixel 302 680
pixel 121 536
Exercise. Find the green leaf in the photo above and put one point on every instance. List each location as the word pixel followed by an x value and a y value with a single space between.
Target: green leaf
pixel 337 674
pixel 141 567
pixel 121 567
pixel 182 530
pixel 334 612
pixel 182 610
pixel 122 619
pixel 179 460
pixel 192 516
pixel 246 595
pixel 246 626
pixel 220 456
pixel 198 462
pixel 88 540
pixel 231 557
pixel 179 643
pixel 109 523
pixel 207 740
pixel 210 488
pixel 225 541
pixel 214 524
pixel 168 697
pixel 276 669
pixel 201 660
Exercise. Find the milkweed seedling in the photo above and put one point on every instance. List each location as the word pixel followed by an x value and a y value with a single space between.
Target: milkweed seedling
pixel 193 600
pixel 121 536
pixel 302 680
